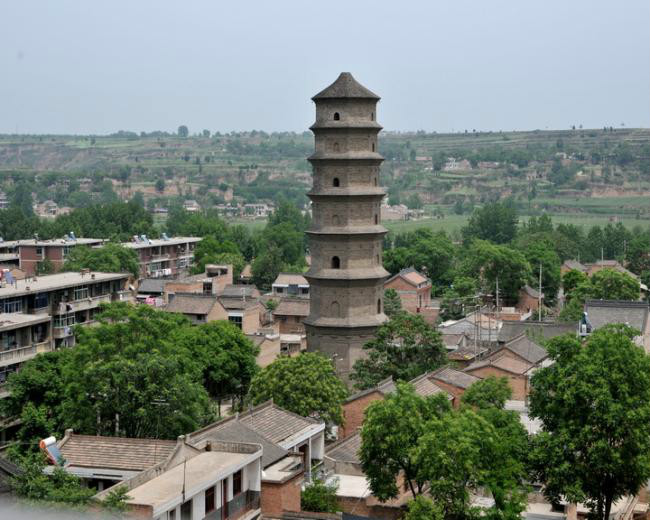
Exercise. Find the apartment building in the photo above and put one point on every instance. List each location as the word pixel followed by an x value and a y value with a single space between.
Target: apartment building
pixel 37 313
pixel 163 257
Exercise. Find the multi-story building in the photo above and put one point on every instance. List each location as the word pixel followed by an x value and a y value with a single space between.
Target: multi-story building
pixel 35 252
pixel 37 314
pixel 290 284
pixel 346 274
pixel 163 257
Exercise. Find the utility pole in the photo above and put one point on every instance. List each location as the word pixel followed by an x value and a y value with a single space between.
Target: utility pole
pixel 539 297
pixel 602 254
pixel 497 297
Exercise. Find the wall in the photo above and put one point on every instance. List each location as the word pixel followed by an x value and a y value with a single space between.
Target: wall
pixel 518 383
pixel 279 497
pixel 411 297
pixel 353 413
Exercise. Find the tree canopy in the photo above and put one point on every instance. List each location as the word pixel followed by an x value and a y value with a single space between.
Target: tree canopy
pixel 496 222
pixel 110 258
pixel 305 384
pixel 594 403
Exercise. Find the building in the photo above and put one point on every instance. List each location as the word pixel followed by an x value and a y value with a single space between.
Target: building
pixel 35 253
pixel 198 308
pixel 192 206
pixel 529 300
pixel 346 274
pixel 571 265
pixel 22 336
pixel 414 290
pixel 213 281
pixel 290 314
pixel 453 381
pixel 632 313
pixel 290 284
pixel 503 365
pixel 163 257
pixel 543 330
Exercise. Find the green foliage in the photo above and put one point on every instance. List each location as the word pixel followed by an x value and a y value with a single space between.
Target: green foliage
pixel 458 298
pixel 319 497
pixel 110 258
pixel 610 284
pixel 423 508
pixel 306 384
pixel 572 311
pixel 59 487
pixel 391 431
pixel 491 392
pixel 183 131
pixel 542 254
pixel 571 280
pixel 116 499
pixel 266 267
pixel 496 222
pixel 594 403
pixel 45 266
pixel 403 348
pixel 392 302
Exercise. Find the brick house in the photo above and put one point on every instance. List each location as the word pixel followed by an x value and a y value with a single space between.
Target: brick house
pixel 290 313
pixel 453 381
pixel 291 285
pixel 504 365
pixel 414 289
pixel 529 300
pixel 633 313
pixel 33 253
pixel 355 406
pixel 164 257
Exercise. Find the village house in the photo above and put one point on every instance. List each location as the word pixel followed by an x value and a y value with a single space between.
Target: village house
pixel 453 381
pixel 213 281
pixel 192 206
pixel 463 356
pixel 290 284
pixel 414 290
pixel 164 257
pixel 543 330
pixel 503 365
pixel 529 300
pixel 290 313
pixel 198 308
pixel 632 313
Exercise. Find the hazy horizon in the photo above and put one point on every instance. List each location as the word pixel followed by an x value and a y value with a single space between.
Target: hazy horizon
pixel 74 67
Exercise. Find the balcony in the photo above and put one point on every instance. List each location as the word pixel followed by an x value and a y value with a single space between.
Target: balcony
pixel 241 504
pixel 85 303
pixel 17 355
pixel 62 332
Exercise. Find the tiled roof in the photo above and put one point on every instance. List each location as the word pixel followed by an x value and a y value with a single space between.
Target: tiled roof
pixel 454 377
pixel 188 303
pixel 527 349
pixel 231 429
pixel 292 307
pixel 238 303
pixel 345 86
pixel 290 279
pixel 93 451
pixel 547 330
pixel 574 264
pixel 274 423
pixel 240 291
pixel 502 362
pixel 614 264
pixel 452 340
pixel 152 285
pixel 424 386
pixel 346 450
pixel 533 293
pixel 466 353
pixel 411 275
pixel 246 272
pixel 384 387
pixel 604 312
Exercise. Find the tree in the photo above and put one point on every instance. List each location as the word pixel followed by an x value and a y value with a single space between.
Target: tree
pixel 183 131
pixel 392 302
pixel 542 253
pixel 391 431
pixel 21 198
pixel 120 369
pixel 160 185
pixel 423 508
pixel 571 280
pixel 266 267
pixel 594 403
pixel 110 258
pixel 228 358
pixel 489 392
pixel 403 348
pixel 496 222
pixel 572 311
pixel 306 384
pixel 44 267
pixel 319 497
pixel 457 298
pixel 610 284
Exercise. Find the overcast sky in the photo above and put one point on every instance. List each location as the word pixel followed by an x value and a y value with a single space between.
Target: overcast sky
pixel 97 67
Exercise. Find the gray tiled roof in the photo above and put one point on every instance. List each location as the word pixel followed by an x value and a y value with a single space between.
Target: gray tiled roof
pixel 240 291
pixel 345 86
pixel 274 423
pixel 188 303
pixel 346 450
pixel 231 430
pixel 513 329
pixel 527 349
pixel 152 285
pixel 604 312
pixel 425 387
pixel 574 264
pixel 292 307
pixel 454 377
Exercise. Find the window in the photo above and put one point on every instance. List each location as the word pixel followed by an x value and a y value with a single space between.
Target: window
pixel 304 290
pixel 376 219
pixel 373 147
pixel 379 306
pixel 337 116
pixel 66 251
pixel 279 290
pixel 39 252
pixel 336 262
pixel 64 320
pixel 9 340
pixel 372 116
pixel 375 181
pixel 237 320
pixel 336 147
pixel 171 515
pixel 210 494
pixel 335 310
pixel 13 305
pixel 335 182
pixel 81 293
pixel 236 483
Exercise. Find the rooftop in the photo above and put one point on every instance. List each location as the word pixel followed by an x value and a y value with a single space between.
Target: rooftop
pixel 275 423
pixel 533 293
pixel 574 264
pixel 191 303
pixel 154 242
pixel 53 242
pixel 14 320
pixel 411 275
pixel 56 281
pixel 546 330
pixel 454 377
pixel 425 387
pixel 292 307
pixel 466 353
pixel 345 86
pixel 527 349
pixel 286 279
pixel 240 291
pixel 346 450
pixel 93 451
pixel 604 312
pixel 502 362
pixel 152 285
pixel 195 474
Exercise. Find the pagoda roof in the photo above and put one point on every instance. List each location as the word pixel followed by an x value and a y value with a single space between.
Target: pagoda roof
pixel 345 86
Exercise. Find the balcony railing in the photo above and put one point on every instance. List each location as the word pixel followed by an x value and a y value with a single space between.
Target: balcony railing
pixel 18 354
pixel 238 506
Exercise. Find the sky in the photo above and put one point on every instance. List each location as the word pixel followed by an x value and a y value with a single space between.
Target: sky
pixel 86 67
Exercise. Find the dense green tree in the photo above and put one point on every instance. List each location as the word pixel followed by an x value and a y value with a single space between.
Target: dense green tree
pixel 306 384
pixel 391 432
pixel 183 131
pixel 572 311
pixel 496 222
pixel 594 403
pixel 487 262
pixel 160 185
pixel 403 348
pixel 423 508
pixel 266 267
pixel 491 392
pixel 610 284
pixel 638 252
pixel 571 280
pixel 21 198
pixel 319 497
pixel 392 302
pixel 542 254
pixel 459 298
pixel 110 258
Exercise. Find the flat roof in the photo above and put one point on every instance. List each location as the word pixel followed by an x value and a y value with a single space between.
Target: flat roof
pixel 14 320
pixel 155 242
pixel 55 281
pixel 352 486
pixel 53 242
pixel 199 472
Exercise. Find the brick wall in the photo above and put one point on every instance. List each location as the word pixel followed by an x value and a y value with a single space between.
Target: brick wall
pixel 518 383
pixel 353 413
pixel 279 497
pixel 411 297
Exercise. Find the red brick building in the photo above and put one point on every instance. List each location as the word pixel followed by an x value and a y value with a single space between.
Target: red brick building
pixel 34 252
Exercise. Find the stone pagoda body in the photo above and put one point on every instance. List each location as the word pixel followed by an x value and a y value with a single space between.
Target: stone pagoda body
pixel 346 275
